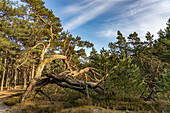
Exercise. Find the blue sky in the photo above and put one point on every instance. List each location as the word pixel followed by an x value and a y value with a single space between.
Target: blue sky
pixel 99 20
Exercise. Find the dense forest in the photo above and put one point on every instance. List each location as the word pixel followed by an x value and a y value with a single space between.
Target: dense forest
pixel 35 52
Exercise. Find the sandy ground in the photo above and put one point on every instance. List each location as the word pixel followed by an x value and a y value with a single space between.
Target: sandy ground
pixel 5 94
pixel 3 107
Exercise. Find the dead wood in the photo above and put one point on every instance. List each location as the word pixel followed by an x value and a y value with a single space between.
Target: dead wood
pixel 63 81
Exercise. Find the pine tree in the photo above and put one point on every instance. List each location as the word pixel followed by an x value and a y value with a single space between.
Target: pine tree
pixel 149 38
pixel 8 44
pixel 121 44
pixel 134 42
pixel 162 46
pixel 126 79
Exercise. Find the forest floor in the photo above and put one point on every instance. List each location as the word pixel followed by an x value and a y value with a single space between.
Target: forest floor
pixel 6 94
pixel 70 101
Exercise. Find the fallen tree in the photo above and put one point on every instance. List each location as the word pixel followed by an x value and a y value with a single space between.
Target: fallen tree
pixel 64 80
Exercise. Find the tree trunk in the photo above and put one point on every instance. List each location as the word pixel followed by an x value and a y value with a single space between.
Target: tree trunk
pixel 8 75
pixel 66 82
pixel 7 78
pixel 87 90
pixel 29 89
pixel 11 78
pixel 104 86
pixel 15 78
pixel 86 86
pixel 33 70
pixel 38 74
pixel 47 60
pixel 30 74
pixel 3 75
pixel 25 79
pixel 18 80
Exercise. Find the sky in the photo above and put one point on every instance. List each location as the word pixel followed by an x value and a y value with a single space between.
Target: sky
pixel 99 20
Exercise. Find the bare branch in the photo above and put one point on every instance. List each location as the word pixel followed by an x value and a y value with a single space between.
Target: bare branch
pixel 45 61
pixel 26 57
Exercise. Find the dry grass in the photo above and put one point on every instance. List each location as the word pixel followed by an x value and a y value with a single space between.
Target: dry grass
pixel 11 94
pixel 89 109
pixel 69 101
pixel 6 93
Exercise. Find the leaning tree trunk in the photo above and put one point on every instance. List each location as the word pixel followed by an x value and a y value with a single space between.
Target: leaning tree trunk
pixel 63 79
pixel 38 74
pixel 65 82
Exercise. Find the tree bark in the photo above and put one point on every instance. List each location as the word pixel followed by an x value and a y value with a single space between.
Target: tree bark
pixel 18 77
pixel 11 78
pixel 30 74
pixel 47 60
pixel 25 79
pixel 8 76
pixel 3 75
pixel 28 90
pixel 87 91
pixel 78 83
pixel 33 70
pixel 15 78
pixel 65 82
pixel 38 74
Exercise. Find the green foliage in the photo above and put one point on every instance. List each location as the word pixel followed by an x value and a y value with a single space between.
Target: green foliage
pixel 164 86
pixel 162 46
pixel 135 43
pixel 23 27
pixel 126 79
pixel 121 44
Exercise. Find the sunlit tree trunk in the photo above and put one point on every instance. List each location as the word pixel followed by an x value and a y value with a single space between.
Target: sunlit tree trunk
pixel 25 78
pixel 15 78
pixel 39 70
pixel 33 70
pixel 3 75
pixel 30 73
pixel 18 80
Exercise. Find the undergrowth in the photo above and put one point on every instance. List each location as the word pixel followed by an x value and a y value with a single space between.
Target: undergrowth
pixel 66 100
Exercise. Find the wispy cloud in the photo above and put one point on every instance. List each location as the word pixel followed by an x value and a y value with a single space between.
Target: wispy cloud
pixel 77 8
pixel 86 11
pixel 141 16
